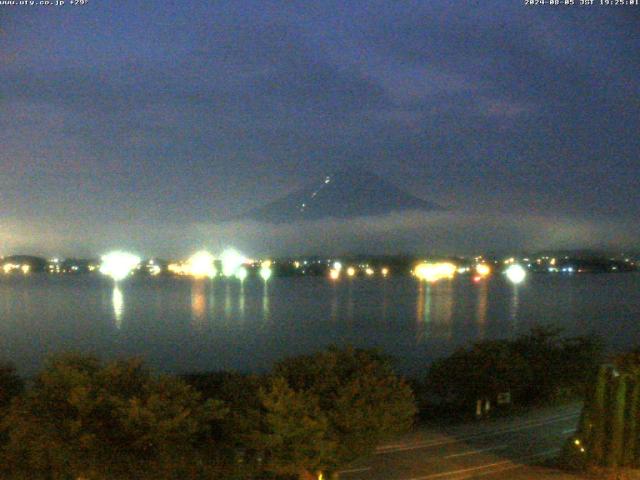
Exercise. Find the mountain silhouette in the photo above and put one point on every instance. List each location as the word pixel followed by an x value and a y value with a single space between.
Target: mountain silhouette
pixel 347 193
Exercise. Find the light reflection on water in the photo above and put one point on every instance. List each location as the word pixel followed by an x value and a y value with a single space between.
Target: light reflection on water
pixel 481 309
pixel 265 302
pixel 118 306
pixel 227 301
pixel 443 310
pixel 423 311
pixel 241 299
pixel 182 324
pixel 513 311
pixel 198 304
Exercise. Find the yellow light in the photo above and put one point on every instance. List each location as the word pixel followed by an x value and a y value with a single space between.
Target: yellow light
pixel 432 272
pixel 334 274
pixel 351 271
pixel 296 264
pixel 9 267
pixel 483 269
pixel 385 271
pixel 576 441
pixel 176 268
pixel 118 265
pixel 25 269
pixel 267 263
pixel 369 271
pixel 231 261
pixel 201 265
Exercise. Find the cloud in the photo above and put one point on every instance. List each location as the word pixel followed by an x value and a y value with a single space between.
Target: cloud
pixel 441 233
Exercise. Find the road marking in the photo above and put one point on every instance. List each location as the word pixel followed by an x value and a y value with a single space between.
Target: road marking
pixel 515 466
pixel 509 464
pixel 568 430
pixel 565 413
pixel 533 422
pixel 354 470
pixel 434 443
pixel 476 452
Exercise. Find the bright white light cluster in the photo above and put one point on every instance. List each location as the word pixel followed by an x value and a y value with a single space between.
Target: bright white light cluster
pixel 231 262
pixel 515 273
pixel 118 265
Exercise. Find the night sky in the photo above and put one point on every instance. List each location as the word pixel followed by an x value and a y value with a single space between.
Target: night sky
pixel 142 124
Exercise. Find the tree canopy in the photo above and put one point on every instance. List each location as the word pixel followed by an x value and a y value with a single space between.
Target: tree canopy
pixel 83 418
pixel 532 367
pixel 326 409
pixel 10 385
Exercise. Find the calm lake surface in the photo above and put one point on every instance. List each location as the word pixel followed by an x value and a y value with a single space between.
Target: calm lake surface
pixel 181 325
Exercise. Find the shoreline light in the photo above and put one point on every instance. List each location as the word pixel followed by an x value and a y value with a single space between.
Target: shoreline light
pixel 483 269
pixel 516 273
pixel 432 272
pixel 8 268
pixel 231 262
pixel 118 265
pixel 201 265
pixel 153 270
pixel 241 273
pixel 265 270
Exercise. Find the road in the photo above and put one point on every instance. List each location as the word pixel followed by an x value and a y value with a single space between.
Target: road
pixel 498 449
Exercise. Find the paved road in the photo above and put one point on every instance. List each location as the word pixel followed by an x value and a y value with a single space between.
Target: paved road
pixel 499 449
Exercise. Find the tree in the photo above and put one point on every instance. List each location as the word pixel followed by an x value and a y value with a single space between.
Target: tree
pixel 82 418
pixel 346 402
pixel 233 435
pixel 11 385
pixel 541 351
pixel 294 434
pixel 482 371
pixel 533 367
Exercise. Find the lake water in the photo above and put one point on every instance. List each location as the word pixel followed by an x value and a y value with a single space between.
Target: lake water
pixel 181 325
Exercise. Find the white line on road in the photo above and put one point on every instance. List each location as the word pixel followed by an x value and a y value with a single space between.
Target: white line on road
pixel 508 464
pixel 567 413
pixel 354 470
pixel 426 444
pixel 476 452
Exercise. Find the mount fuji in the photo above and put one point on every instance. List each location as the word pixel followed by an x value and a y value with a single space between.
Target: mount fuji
pixel 348 193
